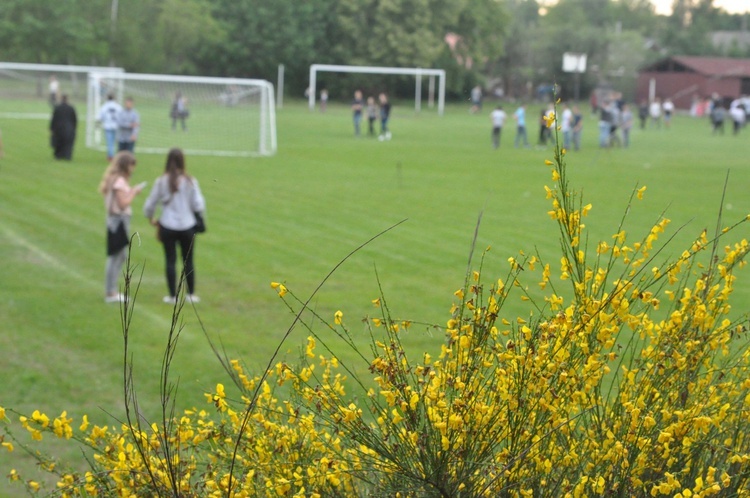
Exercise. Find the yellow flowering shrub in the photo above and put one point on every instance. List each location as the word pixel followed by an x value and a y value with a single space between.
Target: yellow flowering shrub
pixel 629 377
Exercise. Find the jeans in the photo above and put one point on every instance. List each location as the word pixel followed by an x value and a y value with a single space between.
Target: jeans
pixel 521 134
pixel 186 240
pixel 357 121
pixel 567 138
pixel 109 136
pixel 576 139
pixel 383 126
pixel 604 130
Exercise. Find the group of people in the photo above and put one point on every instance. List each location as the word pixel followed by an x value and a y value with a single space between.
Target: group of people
pixel 178 199
pixel 383 108
pixel 121 125
pixel 656 111
pixel 739 113
pixel 615 123
pixel 570 122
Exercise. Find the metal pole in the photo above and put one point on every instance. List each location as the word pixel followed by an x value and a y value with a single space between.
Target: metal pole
pixel 311 88
pixel 418 93
pixel 652 89
pixel 441 95
pixel 431 92
pixel 280 88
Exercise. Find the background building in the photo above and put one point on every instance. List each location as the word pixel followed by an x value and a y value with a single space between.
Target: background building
pixel 683 78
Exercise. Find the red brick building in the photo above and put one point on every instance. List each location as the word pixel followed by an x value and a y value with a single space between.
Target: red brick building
pixel 681 78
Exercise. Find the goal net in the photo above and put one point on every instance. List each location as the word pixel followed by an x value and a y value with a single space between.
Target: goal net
pixel 417 72
pixel 216 116
pixel 25 88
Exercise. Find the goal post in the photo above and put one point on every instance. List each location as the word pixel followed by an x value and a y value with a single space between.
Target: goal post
pixel 418 72
pixel 25 87
pixel 224 116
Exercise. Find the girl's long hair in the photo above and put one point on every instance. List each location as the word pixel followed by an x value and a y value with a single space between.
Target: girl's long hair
pixel 175 168
pixel 119 166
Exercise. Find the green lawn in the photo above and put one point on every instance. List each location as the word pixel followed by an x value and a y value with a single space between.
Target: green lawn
pixel 292 218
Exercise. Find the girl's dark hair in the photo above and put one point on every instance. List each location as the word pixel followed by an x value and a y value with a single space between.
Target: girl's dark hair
pixel 174 168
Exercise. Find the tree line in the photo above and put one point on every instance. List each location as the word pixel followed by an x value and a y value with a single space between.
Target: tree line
pixel 513 45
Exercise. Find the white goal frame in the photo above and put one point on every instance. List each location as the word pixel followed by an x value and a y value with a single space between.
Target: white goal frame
pixel 411 71
pixel 267 108
pixel 84 71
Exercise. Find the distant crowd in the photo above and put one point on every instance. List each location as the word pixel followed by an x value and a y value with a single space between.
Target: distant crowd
pixel 615 117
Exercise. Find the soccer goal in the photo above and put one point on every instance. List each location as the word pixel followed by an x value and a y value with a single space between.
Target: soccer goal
pixel 25 89
pixel 418 72
pixel 217 116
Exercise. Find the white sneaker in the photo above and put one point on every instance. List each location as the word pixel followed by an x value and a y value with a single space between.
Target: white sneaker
pixel 117 298
pixel 387 135
pixel 193 298
pixel 169 299
pixel 381 138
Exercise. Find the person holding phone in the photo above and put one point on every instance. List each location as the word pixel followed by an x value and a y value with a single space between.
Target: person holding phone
pixel 118 196
pixel 179 198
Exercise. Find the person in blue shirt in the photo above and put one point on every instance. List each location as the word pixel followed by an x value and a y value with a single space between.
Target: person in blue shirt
pixel 520 117
pixel 108 121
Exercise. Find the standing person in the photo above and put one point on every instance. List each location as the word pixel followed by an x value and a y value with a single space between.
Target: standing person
pixel 668 108
pixel 179 111
pixel 566 126
pixel 614 124
pixel 128 126
pixel 118 196
pixel 323 100
pixel 577 125
pixel 476 99
pixel 385 115
pixel 654 110
pixel 737 113
pixel 63 128
pixel 54 90
pixel 179 197
pixel 108 121
pixel 498 117
pixel 372 115
pixel 643 113
pixel 543 130
pixel 520 117
pixel 605 124
pixel 717 114
pixel 357 105
pixel 626 119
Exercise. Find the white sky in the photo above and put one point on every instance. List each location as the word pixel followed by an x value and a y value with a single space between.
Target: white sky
pixel 731 6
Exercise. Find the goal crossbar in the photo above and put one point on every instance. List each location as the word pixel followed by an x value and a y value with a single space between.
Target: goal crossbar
pixel 58 68
pixel 241 87
pixel 418 72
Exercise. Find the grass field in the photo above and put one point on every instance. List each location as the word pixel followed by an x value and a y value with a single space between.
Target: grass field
pixel 291 218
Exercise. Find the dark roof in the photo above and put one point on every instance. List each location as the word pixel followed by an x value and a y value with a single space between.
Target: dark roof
pixel 708 66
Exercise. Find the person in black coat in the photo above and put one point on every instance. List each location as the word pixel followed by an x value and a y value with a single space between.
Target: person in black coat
pixel 63 129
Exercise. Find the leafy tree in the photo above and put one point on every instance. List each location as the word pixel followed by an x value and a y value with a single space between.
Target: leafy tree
pixel 260 35
pixel 686 31
pixel 40 31
pixel 184 28
pixel 136 45
pixel 518 65
pixel 482 26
